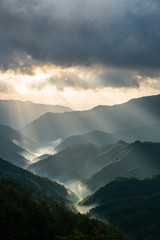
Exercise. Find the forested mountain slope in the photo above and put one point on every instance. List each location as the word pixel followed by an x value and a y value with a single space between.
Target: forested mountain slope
pixel 97 166
pixel 23 217
pixel 40 187
pixel 130 204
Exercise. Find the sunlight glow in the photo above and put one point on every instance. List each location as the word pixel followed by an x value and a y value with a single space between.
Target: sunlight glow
pixel 50 84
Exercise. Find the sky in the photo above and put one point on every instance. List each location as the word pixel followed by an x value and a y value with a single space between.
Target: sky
pixel 79 53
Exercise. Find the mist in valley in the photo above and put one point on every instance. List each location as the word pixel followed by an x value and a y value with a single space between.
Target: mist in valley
pixel 79 119
pixel 42 152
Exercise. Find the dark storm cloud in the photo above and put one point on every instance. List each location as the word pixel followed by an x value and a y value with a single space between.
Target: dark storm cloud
pixel 119 78
pixel 118 33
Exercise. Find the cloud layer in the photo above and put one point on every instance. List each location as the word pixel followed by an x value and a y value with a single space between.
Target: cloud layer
pixel 119 34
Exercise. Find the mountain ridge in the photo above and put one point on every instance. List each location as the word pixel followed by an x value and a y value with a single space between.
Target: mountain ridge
pixel 142 133
pixel 133 114
pixel 96 166
pixel 130 204
pixel 17 113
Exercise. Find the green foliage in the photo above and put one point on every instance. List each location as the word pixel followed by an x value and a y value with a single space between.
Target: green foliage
pixel 41 187
pixel 73 163
pixel 132 205
pixel 23 217
pixel 77 162
pixel 98 166
pixel 129 160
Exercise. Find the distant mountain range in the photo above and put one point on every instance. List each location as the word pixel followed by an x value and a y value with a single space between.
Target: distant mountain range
pixel 18 138
pixel 130 204
pixel 98 138
pixel 143 133
pixel 123 119
pixel 17 114
pixel 96 166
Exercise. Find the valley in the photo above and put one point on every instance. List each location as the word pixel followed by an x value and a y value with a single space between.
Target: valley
pixel 80 120
pixel 103 175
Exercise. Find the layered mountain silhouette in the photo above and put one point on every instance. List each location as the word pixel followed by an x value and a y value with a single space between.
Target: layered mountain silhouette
pixel 130 204
pixel 134 114
pixel 98 146
pixel 134 160
pixel 97 166
pixel 143 133
pixel 18 138
pixel 41 157
pixel 73 163
pixel 16 114
pixel 95 137
pixel 137 159
pixel 13 153
pixel 8 144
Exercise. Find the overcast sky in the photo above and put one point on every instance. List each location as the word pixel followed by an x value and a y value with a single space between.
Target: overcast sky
pixel 79 53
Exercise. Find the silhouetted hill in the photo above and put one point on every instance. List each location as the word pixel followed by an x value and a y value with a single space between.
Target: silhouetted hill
pixel 130 115
pixel 18 138
pixel 7 144
pixel 10 133
pixel 23 217
pixel 150 132
pixel 97 166
pixel 13 157
pixel 70 164
pixel 42 157
pixel 16 114
pixel 130 204
pixel 142 133
pixel 96 137
pixel 134 160
pixel 40 187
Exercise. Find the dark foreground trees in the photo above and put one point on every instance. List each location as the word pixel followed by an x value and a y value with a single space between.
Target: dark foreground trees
pixel 24 218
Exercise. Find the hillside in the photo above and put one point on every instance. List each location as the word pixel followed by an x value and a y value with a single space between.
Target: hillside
pixel 70 164
pixel 13 157
pixel 130 115
pixel 8 144
pixel 77 162
pixel 149 132
pixel 23 217
pixel 17 137
pixel 131 204
pixel 40 187
pixel 96 166
pixel 135 160
pixel 13 153
pixel 96 137
pixel 17 114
